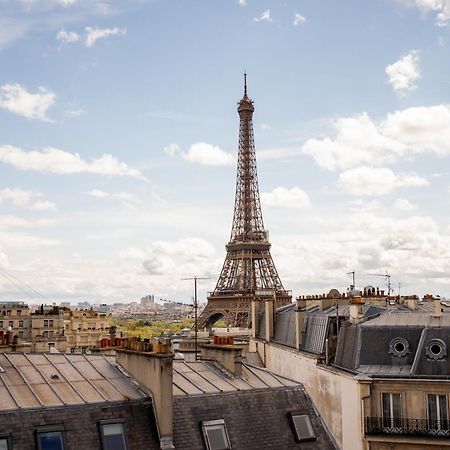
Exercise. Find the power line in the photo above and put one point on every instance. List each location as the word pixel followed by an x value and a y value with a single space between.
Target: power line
pixel 9 276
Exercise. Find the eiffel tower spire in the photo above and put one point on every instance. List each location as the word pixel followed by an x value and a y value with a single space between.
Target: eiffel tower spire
pixel 248 263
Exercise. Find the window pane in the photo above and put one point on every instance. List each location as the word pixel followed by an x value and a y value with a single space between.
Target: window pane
pixel 113 437
pixel 217 438
pixel 3 444
pixel 396 406
pixel 51 441
pixel 385 400
pixel 443 407
pixel 303 427
pixel 432 407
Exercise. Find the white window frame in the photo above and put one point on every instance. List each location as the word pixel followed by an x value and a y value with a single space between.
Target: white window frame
pixel 215 423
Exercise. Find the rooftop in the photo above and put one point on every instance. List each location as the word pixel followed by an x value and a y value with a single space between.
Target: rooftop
pixel 51 380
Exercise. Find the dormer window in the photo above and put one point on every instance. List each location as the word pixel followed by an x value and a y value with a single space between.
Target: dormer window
pixel 215 435
pixel 399 347
pixel 436 349
pixel 301 424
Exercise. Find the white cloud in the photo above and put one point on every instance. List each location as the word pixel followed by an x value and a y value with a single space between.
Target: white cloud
pixel 265 126
pixel 401 204
pixel 207 155
pixel 298 20
pixel 25 199
pixel 53 160
pixel 404 73
pixel 242 2
pixel 66 2
pixel 16 99
pixel 98 193
pixel 171 149
pixel 125 198
pixel 93 34
pixel 440 7
pixel 377 181
pixel 361 141
pixel 264 17
pixel 67 37
pixel 294 198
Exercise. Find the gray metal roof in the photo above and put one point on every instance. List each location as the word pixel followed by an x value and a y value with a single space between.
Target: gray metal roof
pixel 205 377
pixel 412 318
pixel 39 380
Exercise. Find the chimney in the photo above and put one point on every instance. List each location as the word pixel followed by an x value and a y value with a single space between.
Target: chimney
pixel 356 310
pixel 269 316
pixel 228 355
pixel 299 313
pixel 255 310
pixel 155 372
pixel 326 302
pixel 437 307
pixel 411 303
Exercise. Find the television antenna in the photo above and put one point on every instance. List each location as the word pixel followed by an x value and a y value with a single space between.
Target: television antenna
pixel 195 310
pixel 387 278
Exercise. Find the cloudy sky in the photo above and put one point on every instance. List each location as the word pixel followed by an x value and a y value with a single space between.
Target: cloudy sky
pixel 118 139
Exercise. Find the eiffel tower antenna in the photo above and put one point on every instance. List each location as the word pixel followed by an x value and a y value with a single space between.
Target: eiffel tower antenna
pixel 248 265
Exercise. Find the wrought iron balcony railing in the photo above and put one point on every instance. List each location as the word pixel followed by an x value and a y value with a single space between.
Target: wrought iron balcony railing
pixel 408 427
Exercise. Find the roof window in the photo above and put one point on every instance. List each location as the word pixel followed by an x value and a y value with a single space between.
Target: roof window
pixel 113 435
pixel 302 427
pixel 215 435
pixel 50 440
pixel 436 349
pixel 399 347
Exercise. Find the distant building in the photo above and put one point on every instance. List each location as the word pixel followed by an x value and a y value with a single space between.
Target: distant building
pixel 147 300
pixel 85 328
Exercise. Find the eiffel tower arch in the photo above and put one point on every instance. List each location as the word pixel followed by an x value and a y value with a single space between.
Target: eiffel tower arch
pixel 248 265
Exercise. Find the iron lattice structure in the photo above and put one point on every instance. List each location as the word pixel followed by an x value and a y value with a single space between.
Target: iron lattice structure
pixel 248 264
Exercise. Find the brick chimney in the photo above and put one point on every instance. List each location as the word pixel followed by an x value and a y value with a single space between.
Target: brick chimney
pixel 155 372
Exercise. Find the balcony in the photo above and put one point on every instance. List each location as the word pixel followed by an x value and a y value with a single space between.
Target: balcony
pixel 439 429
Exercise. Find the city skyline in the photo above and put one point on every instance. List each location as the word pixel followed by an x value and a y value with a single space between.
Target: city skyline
pixel 119 135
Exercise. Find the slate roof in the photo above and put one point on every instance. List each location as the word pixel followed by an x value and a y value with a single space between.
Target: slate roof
pixel 38 380
pixel 255 419
pixel 206 377
pixel 315 327
pixel 367 347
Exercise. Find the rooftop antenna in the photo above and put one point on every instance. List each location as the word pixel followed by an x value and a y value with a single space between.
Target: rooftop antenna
pixel 245 83
pixel 195 311
pixel 387 277
pixel 353 279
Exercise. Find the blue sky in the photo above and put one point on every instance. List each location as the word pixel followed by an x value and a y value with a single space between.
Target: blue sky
pixel 118 136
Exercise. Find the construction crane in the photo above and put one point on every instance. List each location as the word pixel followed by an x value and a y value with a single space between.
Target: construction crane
pixel 387 277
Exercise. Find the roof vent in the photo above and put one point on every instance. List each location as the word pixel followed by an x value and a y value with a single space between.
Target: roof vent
pixel 55 377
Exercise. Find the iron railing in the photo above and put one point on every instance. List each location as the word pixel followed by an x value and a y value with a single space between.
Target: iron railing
pixel 408 427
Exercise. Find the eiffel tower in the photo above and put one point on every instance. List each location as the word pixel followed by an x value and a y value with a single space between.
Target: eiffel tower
pixel 248 265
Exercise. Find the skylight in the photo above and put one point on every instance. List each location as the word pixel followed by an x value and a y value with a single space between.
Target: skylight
pixel 215 435
pixel 303 429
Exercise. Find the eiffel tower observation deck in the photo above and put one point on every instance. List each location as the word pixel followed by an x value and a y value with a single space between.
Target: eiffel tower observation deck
pixel 248 268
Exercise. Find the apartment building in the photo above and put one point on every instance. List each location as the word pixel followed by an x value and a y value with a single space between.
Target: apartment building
pixel 379 375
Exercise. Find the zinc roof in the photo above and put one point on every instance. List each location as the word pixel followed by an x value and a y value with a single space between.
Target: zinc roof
pixel 39 380
pixel 205 377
